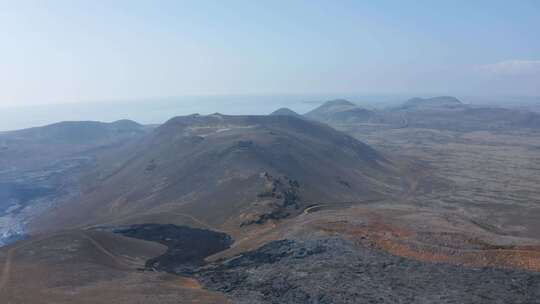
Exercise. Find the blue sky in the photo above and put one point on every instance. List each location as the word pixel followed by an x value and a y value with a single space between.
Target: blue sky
pixel 72 51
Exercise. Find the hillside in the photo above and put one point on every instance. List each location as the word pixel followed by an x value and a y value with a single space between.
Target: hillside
pixel 441 113
pixel 39 146
pixel 230 171
pixel 340 111
pixel 41 166
pixel 449 113
pixel 69 132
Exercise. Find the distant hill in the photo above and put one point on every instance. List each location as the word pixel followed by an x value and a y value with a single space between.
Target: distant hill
pixel 449 113
pixel 78 131
pixel 35 147
pixel 41 166
pixel 442 112
pixel 285 112
pixel 231 171
pixel 340 111
pixel 433 102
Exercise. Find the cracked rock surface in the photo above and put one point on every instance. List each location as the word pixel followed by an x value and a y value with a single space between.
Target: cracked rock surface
pixel 334 270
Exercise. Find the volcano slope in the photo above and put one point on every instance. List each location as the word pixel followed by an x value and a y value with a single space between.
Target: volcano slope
pixel 229 172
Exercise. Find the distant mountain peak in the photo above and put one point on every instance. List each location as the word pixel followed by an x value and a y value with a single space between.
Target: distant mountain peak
pixel 285 112
pixel 338 102
pixel 79 131
pixel 126 123
pixel 439 101
pixel 450 99
pixel 340 110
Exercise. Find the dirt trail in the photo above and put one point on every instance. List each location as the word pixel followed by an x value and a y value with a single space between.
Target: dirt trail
pixel 414 185
pixel 205 225
pixel 8 262
pixel 337 205
pixel 123 261
pixel 185 215
pixel 7 269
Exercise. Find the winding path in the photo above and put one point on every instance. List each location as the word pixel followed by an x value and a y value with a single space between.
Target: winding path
pixel 9 260
pixel 337 205
pixel 124 218
pixel 124 261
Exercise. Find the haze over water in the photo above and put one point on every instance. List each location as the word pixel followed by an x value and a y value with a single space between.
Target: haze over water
pixel 156 111
pixel 159 110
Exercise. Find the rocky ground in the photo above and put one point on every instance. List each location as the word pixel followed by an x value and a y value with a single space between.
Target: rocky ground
pixel 25 194
pixel 333 270
pixel 320 268
pixel 492 176
pixel 186 247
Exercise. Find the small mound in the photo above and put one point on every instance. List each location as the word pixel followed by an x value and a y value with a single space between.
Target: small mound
pixel 439 101
pixel 338 102
pixel 340 111
pixel 285 112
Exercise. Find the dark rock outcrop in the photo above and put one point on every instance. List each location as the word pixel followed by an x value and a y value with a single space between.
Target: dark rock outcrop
pixel 186 247
pixel 332 270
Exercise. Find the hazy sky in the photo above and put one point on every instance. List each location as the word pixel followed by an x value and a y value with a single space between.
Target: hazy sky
pixel 67 51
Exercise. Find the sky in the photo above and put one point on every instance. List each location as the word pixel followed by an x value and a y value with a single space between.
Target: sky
pixel 95 51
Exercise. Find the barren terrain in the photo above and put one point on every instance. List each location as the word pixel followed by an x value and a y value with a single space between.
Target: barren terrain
pixel 221 209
